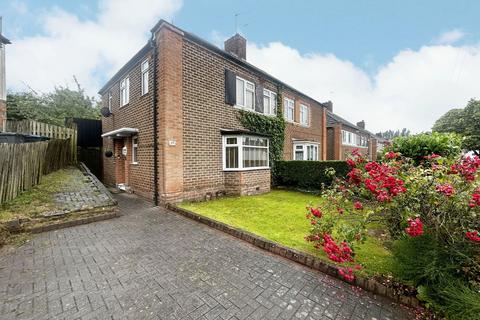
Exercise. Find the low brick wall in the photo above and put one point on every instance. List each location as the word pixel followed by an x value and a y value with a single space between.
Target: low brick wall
pixel 248 182
pixel 306 259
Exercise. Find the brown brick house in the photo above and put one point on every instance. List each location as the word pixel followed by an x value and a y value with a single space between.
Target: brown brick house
pixel 172 131
pixel 343 137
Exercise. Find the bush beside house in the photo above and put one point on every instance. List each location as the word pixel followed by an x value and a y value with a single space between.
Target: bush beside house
pixel 310 175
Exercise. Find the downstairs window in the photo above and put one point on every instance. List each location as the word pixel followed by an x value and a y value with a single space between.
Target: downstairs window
pixel 245 152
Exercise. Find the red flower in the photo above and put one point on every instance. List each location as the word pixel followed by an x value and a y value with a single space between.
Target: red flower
pixel 415 227
pixel 432 156
pixel 446 189
pixel 475 201
pixel 351 163
pixel 340 210
pixel 468 168
pixel 391 155
pixel 316 212
pixel 358 205
pixel 473 235
pixel 355 176
pixel 347 274
pixel 337 253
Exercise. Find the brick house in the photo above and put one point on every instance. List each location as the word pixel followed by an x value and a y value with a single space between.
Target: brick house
pixel 343 137
pixel 171 130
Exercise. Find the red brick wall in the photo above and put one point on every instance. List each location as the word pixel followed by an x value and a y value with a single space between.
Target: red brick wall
pixel 295 131
pixel 138 114
pixel 248 182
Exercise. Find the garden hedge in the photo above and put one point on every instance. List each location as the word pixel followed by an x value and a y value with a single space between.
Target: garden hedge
pixel 308 175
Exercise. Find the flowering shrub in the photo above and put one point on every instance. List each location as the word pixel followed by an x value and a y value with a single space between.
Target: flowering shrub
pixel 437 199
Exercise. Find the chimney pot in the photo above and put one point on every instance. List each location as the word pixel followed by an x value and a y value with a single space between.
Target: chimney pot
pixel 237 45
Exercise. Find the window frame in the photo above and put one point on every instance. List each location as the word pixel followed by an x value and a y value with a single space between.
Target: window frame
pixel 135 150
pixel 125 86
pixel 286 107
pixel 240 147
pixel 245 85
pixel 305 145
pixel 109 103
pixel 304 109
pixel 272 108
pixel 354 139
pixel 144 72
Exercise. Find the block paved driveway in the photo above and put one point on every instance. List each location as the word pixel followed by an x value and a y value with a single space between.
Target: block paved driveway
pixel 154 264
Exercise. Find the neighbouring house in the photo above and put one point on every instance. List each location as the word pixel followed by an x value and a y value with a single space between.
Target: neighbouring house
pixel 343 137
pixel 3 86
pixel 171 130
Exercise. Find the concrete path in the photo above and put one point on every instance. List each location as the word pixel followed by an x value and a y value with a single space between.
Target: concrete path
pixel 154 264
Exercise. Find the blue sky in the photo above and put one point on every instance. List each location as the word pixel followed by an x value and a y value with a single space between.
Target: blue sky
pixel 361 46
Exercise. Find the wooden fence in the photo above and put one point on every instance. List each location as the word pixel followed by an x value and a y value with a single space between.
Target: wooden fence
pixel 22 165
pixel 45 129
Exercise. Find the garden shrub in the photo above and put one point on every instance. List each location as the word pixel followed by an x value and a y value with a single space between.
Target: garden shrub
pixel 417 147
pixel 432 214
pixel 309 175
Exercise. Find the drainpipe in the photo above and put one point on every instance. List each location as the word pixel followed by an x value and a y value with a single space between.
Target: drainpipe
pixel 155 121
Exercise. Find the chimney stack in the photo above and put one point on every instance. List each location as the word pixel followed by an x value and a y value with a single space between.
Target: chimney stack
pixel 361 124
pixel 328 105
pixel 237 45
pixel 3 87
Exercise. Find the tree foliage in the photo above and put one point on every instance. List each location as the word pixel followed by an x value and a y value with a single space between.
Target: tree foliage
pixel 465 122
pixel 52 107
pixel 390 134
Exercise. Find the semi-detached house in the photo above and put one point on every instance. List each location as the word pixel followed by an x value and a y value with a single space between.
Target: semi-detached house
pixel 172 131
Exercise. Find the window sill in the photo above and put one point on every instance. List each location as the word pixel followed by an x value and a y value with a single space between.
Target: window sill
pixel 134 163
pixel 254 111
pixel 125 105
pixel 353 145
pixel 245 169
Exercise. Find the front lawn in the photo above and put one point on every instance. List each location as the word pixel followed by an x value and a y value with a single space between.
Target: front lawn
pixel 280 216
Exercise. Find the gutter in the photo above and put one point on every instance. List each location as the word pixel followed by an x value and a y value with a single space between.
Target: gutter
pixel 153 45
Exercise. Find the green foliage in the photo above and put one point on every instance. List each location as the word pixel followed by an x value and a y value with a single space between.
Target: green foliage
pixel 310 175
pixel 390 134
pixel 431 268
pixel 465 122
pixel 52 107
pixel 418 146
pixel 274 127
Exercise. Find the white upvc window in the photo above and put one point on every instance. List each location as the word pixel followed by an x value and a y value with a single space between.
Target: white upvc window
pixel 304 115
pixel 307 151
pixel 353 139
pixel 245 94
pixel 109 101
pixel 135 150
pixel 269 102
pixel 245 152
pixel 144 69
pixel 124 91
pixel 289 109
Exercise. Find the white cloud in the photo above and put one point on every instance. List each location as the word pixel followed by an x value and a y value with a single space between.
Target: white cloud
pixel 19 7
pixel 412 91
pixel 88 49
pixel 450 37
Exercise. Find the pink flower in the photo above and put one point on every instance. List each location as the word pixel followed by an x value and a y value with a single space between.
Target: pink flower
pixel 358 205
pixel 446 189
pixel 415 227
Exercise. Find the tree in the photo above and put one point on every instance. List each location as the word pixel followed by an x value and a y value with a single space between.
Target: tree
pixel 465 122
pixel 52 107
pixel 390 134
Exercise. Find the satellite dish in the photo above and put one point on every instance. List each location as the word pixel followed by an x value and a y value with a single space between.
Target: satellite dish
pixel 105 112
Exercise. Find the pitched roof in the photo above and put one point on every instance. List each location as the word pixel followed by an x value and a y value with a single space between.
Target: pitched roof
pixel 4 40
pixel 211 47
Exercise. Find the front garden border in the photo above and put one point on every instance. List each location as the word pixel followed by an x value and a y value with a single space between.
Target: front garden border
pixel 305 259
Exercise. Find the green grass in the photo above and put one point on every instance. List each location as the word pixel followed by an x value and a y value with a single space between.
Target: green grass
pixel 40 198
pixel 280 216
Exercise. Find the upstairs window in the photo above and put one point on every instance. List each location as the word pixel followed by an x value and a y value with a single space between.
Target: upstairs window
pixel 144 69
pixel 124 91
pixel 289 109
pixel 245 153
pixel 304 115
pixel 245 94
pixel 269 102
pixel 109 102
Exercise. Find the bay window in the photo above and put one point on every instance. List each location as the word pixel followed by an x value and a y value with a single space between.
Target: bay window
pixel 245 152
pixel 289 109
pixel 245 94
pixel 305 151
